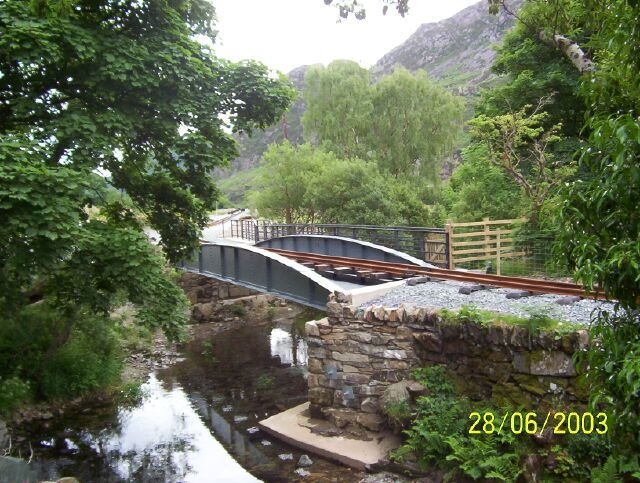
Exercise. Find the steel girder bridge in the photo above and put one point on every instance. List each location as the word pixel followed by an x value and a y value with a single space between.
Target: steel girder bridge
pixel 257 268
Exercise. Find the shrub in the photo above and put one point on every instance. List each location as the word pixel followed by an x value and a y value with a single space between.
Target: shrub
pixel 13 392
pixel 91 359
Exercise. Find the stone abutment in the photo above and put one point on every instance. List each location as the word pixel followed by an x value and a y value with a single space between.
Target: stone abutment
pixel 355 354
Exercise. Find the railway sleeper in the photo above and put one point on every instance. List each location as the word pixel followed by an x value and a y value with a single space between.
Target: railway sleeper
pixel 522 294
pixel 469 289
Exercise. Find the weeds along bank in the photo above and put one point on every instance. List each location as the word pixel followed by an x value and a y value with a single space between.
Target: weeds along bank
pixel 103 355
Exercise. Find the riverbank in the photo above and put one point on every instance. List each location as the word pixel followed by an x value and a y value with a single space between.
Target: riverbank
pixel 196 406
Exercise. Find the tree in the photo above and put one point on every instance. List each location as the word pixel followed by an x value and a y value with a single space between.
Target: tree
pixel 477 189
pixel 599 223
pixel 124 90
pixel 517 143
pixel 359 11
pixel 310 185
pixel 415 125
pixel 338 107
pixel 283 180
pixel 405 123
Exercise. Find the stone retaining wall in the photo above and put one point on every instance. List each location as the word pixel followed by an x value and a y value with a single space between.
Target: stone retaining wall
pixel 205 293
pixel 354 355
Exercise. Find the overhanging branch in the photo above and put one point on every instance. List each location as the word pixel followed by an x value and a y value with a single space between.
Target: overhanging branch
pixel 571 50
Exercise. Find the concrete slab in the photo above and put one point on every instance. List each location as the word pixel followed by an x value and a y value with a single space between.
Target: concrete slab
pixel 363 294
pixel 294 426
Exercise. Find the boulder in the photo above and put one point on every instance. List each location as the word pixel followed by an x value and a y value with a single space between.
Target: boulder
pixel 396 393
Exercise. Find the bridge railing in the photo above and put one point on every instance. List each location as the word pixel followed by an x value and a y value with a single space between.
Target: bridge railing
pixel 428 244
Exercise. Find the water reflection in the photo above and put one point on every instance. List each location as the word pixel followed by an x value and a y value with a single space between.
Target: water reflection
pixel 289 346
pixel 196 415
pixel 166 439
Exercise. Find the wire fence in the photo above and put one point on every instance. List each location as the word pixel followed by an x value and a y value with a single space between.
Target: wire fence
pixel 429 244
pixel 504 247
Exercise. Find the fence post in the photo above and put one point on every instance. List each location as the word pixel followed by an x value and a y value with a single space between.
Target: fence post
pixel 498 253
pixel 256 232
pixel 487 238
pixel 448 229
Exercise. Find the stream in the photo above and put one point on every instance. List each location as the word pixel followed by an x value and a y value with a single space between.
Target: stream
pixel 196 420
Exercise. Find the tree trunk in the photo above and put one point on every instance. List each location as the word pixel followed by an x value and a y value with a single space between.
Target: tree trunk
pixel 571 50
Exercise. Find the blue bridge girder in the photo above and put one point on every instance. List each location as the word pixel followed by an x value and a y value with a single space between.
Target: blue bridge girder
pixel 264 271
pixel 341 247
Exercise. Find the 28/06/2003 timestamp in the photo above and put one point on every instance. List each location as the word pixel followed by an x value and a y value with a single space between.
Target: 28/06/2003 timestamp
pixel 527 423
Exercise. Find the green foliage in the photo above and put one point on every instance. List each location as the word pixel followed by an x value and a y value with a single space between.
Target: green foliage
pixel 265 382
pixel 487 456
pixel 404 122
pixel 208 350
pixel 593 449
pixel 435 379
pixel 564 467
pixel 533 70
pixel 437 416
pixel 97 100
pixel 237 185
pixel 398 413
pixel 283 180
pixel 600 224
pixel 77 89
pixel 271 313
pixel 338 107
pixel 238 310
pixel 617 469
pixel 519 144
pixel 614 375
pixel 538 318
pixel 131 394
pixel 306 185
pixel 91 359
pixel 135 338
pixel 478 189
pixel 415 125
pixel 13 393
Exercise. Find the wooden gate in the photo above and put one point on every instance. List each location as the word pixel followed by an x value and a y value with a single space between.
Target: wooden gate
pixel 482 240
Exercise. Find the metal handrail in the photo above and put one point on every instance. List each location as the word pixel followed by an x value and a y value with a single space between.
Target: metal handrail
pixel 411 240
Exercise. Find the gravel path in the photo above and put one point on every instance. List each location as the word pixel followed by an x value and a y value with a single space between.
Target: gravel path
pixel 445 295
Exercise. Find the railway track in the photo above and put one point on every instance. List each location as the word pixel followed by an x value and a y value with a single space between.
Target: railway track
pixel 376 271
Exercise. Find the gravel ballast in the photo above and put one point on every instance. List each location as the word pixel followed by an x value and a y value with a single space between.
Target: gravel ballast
pixel 445 295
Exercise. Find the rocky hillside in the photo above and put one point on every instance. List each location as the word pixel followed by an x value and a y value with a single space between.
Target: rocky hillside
pixel 457 52
pixel 290 127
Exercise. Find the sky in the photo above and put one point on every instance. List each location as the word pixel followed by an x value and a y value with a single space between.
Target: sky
pixel 284 34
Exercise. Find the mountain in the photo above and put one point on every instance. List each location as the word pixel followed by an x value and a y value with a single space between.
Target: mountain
pixel 290 127
pixel 456 52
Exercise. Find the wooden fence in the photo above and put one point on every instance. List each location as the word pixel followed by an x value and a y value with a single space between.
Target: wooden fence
pixel 489 240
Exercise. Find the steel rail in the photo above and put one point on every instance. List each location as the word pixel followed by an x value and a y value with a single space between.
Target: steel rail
pixel 405 270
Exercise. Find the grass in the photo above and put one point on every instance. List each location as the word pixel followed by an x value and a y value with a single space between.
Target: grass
pixel 538 318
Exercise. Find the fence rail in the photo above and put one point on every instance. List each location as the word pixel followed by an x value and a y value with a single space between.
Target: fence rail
pixel 429 244
pixel 503 242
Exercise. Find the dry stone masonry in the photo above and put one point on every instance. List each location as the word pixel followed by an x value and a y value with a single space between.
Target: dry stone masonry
pixel 356 354
pixel 206 293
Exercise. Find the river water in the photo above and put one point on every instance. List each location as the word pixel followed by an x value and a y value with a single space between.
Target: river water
pixel 196 420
